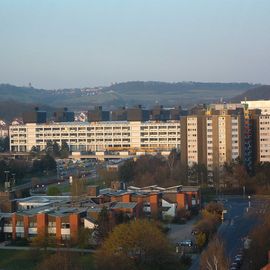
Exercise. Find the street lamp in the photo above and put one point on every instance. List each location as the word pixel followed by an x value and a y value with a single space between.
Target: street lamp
pixel 222 214
pixel 13 179
pixel 7 184
pixel 6 173
pixel 244 191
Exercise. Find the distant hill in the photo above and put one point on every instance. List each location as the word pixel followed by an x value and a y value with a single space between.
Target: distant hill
pixel 126 93
pixel 261 92
pixel 183 93
pixel 11 109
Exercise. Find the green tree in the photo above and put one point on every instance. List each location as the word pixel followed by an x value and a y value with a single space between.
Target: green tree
pixel 198 173
pixel 104 226
pixel 211 217
pixel 49 148
pixel 4 144
pixel 260 182
pixel 126 171
pixel 201 240
pixel 37 165
pixel 56 149
pixel 43 241
pixel 48 163
pixel 19 167
pixel 3 167
pixel 64 151
pixel 34 151
pixel 84 237
pixel 136 245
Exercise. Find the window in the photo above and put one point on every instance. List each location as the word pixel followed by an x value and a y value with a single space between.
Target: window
pixel 65 237
pixel 65 225
pixel 51 224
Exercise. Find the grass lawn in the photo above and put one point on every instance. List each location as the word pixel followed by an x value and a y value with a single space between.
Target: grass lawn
pixel 17 259
pixel 65 187
pixel 29 260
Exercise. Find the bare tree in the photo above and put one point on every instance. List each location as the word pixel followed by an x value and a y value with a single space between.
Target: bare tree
pixel 214 257
pixel 78 189
pixel 172 159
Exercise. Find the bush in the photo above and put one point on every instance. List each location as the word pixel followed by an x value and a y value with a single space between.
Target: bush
pixel 136 245
pixel 207 226
pixel 22 242
pixel 53 191
pixel 214 208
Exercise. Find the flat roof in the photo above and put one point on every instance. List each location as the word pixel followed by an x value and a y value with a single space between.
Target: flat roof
pixel 53 211
pixel 119 205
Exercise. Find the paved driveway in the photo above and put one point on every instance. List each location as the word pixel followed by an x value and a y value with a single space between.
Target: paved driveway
pixel 180 232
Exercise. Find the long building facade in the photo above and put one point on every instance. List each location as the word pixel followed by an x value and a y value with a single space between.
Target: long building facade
pixel 217 134
pixel 97 136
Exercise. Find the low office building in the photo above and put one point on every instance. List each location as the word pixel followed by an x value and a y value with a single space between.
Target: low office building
pixel 154 201
pixel 60 223
pixel 97 136
pixel 62 217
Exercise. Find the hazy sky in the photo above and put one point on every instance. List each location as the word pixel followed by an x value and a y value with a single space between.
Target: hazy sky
pixel 77 43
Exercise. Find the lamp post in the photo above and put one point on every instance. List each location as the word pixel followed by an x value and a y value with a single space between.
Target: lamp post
pixel 6 173
pixel 7 184
pixel 222 214
pixel 13 179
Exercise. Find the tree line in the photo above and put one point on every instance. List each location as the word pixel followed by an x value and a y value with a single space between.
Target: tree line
pixel 52 149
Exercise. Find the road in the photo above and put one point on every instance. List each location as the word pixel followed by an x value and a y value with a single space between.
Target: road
pixel 52 180
pixel 237 224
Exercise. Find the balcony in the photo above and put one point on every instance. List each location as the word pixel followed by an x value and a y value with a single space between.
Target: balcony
pixel 7 229
pixel 19 229
pixel 32 230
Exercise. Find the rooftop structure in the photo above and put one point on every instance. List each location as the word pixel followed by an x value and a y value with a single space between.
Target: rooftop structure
pixel 263 105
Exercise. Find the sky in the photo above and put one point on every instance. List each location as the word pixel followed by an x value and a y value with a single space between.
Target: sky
pixel 83 43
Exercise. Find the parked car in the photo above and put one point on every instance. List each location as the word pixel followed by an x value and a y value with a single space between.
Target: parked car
pixel 186 243
pixel 195 232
